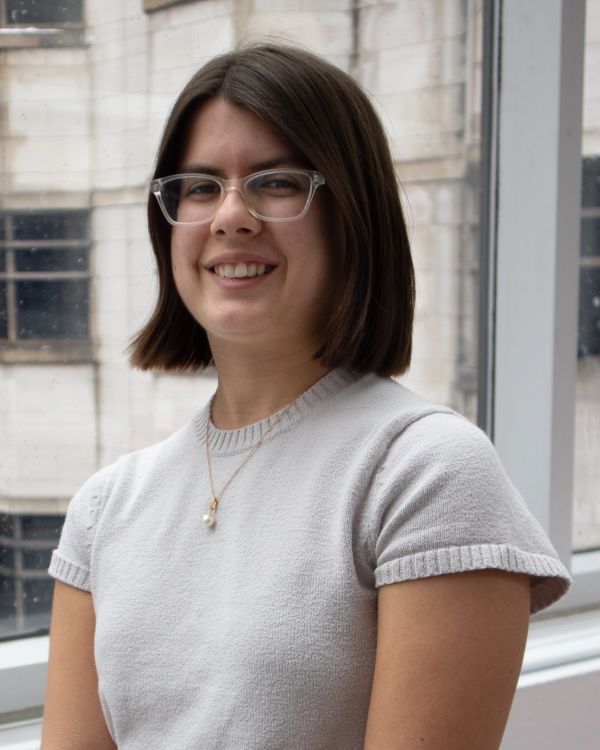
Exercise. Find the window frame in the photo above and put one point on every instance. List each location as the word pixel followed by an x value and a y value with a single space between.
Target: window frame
pixel 532 385
pixel 40 350
pixel 19 36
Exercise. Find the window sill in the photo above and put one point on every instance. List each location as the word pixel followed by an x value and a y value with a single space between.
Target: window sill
pixel 46 352
pixel 26 37
pixel 23 669
pixel 24 735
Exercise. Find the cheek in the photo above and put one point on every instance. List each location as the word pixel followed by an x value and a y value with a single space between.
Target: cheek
pixel 184 251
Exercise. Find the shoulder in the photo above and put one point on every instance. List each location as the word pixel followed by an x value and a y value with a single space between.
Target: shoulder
pixel 397 419
pixel 155 457
pixel 133 467
pixel 442 454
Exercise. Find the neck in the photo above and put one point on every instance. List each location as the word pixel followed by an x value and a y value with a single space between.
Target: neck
pixel 252 389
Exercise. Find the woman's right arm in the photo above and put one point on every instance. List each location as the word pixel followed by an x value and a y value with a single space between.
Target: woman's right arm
pixel 73 718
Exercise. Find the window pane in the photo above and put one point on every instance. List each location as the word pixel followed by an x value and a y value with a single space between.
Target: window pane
pixel 3 311
pixel 7 556
pixel 36 559
pixel 37 599
pixel 7 605
pixel 586 526
pixel 63 225
pixel 589 312
pixel 52 309
pixel 590 189
pixel 2 260
pixel 43 11
pixel 6 526
pixel 590 238
pixel 41 259
pixel 41 527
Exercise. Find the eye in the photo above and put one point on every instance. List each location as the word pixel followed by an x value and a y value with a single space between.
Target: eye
pixel 201 189
pixel 280 183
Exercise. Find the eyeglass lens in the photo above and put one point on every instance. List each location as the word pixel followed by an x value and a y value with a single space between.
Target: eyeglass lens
pixel 281 195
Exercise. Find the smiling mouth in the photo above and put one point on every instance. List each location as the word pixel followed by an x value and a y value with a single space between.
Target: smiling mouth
pixel 241 270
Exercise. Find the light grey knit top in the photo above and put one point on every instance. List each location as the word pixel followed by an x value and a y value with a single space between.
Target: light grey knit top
pixel 260 633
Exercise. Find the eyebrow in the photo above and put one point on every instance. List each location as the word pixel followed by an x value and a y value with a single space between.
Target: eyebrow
pixel 278 161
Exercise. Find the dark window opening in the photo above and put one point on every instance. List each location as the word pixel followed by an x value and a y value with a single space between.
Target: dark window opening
pixel 26 544
pixel 588 342
pixel 38 12
pixel 44 276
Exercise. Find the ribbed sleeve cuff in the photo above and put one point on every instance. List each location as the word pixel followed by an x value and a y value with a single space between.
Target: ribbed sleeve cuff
pixel 69 572
pixel 551 577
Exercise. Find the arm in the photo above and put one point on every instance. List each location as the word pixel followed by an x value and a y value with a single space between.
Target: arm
pixel 73 718
pixel 449 652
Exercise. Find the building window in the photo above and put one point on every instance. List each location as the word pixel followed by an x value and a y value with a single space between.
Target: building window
pixel 589 273
pixel 44 279
pixel 36 12
pixel 35 23
pixel 26 544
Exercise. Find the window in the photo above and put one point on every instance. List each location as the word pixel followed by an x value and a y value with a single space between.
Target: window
pixel 26 544
pixel 44 279
pixel 586 509
pixel 36 12
pixel 589 276
pixel 30 23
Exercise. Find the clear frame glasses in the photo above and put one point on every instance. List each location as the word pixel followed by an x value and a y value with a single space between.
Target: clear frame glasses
pixel 269 195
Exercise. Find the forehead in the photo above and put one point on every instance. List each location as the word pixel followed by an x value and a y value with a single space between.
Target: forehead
pixel 228 135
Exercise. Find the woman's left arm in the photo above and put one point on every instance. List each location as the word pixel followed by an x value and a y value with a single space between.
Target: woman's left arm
pixel 449 653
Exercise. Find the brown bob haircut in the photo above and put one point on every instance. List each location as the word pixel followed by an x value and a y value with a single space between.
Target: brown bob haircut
pixel 325 115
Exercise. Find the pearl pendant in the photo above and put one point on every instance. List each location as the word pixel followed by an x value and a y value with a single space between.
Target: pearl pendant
pixel 208 519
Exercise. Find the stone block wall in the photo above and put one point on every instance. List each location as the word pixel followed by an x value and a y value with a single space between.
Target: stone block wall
pixel 79 128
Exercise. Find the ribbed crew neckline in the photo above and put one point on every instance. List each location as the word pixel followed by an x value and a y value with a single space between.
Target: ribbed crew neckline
pixel 223 442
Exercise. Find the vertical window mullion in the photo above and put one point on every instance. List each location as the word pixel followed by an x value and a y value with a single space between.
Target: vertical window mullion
pixel 539 173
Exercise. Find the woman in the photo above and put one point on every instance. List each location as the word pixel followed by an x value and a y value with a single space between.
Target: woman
pixel 321 558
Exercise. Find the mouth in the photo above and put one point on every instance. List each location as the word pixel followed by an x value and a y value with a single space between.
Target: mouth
pixel 241 270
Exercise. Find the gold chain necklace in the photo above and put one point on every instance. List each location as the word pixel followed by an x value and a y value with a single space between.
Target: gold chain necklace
pixel 208 519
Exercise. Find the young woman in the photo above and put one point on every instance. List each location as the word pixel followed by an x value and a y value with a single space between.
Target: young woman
pixel 320 559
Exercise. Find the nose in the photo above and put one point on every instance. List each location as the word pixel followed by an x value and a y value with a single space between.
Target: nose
pixel 233 217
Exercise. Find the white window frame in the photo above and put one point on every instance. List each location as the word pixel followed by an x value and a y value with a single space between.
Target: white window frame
pixel 537 248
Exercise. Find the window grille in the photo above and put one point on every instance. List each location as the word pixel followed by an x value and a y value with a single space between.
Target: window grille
pixel 26 544
pixel 44 277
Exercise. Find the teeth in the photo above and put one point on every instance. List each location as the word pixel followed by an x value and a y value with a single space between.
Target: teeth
pixel 239 270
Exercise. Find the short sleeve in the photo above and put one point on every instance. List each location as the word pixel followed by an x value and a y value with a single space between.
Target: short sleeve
pixel 446 505
pixel 70 562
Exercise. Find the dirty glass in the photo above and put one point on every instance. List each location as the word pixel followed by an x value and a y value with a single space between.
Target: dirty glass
pixel 32 12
